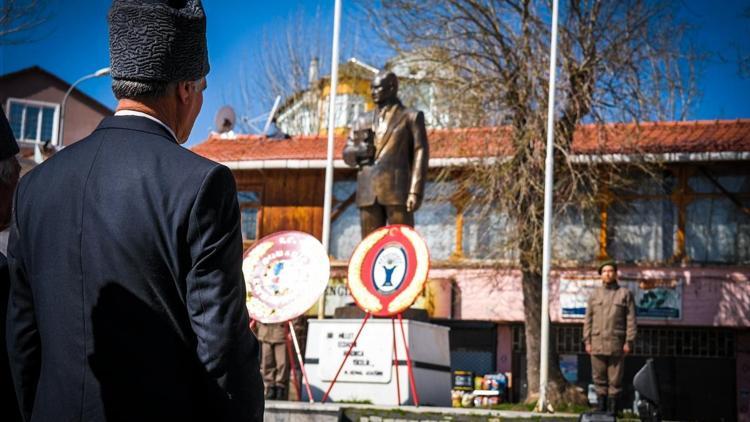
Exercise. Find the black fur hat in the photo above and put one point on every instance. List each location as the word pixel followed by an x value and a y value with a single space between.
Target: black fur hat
pixel 157 40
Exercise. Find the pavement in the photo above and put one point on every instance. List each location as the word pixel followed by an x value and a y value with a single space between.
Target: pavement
pixel 286 411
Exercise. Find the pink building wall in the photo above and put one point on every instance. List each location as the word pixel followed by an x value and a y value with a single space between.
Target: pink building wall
pixel 710 296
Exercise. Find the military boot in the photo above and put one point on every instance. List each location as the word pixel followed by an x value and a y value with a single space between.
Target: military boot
pixel 270 393
pixel 601 403
pixel 612 405
pixel 280 392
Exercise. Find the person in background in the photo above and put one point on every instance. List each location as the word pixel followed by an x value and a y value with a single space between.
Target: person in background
pixel 609 331
pixel 274 360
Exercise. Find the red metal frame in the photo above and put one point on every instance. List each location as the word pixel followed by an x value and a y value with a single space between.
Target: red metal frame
pixel 395 360
pixel 408 362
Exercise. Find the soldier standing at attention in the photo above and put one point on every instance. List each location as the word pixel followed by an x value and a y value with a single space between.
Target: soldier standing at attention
pixel 609 330
pixel 274 363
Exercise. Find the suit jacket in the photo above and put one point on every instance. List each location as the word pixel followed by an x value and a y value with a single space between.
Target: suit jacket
pixel 8 403
pixel 400 165
pixel 610 320
pixel 127 295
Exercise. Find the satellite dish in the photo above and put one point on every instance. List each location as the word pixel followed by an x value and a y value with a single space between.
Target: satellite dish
pixel 225 119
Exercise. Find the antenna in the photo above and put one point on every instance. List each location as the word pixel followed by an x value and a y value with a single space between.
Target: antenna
pixel 271 115
pixel 225 119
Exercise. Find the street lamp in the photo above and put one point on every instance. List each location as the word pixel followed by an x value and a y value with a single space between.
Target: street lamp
pixel 99 73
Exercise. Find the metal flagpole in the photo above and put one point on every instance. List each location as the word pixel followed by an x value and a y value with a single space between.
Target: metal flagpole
pixel 331 132
pixel 548 187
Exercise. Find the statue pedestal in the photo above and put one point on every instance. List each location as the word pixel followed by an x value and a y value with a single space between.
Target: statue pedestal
pixel 369 374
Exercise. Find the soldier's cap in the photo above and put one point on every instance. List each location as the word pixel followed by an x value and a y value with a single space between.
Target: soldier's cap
pixel 609 262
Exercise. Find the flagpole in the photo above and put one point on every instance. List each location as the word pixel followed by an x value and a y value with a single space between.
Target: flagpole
pixel 326 237
pixel 548 188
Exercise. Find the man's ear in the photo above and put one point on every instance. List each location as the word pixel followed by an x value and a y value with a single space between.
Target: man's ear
pixel 183 91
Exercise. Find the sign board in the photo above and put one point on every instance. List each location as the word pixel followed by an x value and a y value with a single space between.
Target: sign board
pixel 658 299
pixel 370 360
pixel 285 274
pixel 574 295
pixel 388 270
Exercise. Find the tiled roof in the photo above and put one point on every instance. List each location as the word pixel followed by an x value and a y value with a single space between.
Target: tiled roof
pixel 647 138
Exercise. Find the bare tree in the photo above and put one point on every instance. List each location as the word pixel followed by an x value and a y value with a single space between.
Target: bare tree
pixel 618 61
pixel 19 17
pixel 280 64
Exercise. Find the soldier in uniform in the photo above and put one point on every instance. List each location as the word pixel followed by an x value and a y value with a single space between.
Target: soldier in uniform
pixel 392 159
pixel 274 362
pixel 609 330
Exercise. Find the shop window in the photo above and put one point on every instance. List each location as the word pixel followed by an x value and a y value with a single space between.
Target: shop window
pixel 717 231
pixel 642 230
pixel 250 203
pixel 473 346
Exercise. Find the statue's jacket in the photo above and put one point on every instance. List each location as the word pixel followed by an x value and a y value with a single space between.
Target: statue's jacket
pixel 400 164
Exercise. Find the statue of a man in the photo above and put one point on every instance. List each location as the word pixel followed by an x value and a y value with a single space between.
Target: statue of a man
pixel 390 150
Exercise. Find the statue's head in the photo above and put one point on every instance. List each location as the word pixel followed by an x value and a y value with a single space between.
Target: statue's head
pixel 384 87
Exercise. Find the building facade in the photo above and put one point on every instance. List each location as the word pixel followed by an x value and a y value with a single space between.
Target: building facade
pixel 32 99
pixel 682 236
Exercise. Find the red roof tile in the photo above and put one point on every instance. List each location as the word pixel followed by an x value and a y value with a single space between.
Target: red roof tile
pixel 656 138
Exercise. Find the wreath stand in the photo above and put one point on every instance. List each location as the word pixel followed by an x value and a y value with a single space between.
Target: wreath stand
pixel 394 362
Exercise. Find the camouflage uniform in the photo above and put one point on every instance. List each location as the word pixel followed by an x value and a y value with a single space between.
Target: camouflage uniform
pixel 609 323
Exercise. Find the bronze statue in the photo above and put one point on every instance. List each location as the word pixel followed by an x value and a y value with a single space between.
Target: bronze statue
pixel 389 147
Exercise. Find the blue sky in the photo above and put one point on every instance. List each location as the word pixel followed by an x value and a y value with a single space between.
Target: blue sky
pixel 74 43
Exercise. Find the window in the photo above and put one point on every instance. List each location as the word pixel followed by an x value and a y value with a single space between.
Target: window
pixel 642 230
pixel 250 202
pixel 345 229
pixel 717 226
pixel 576 234
pixel 436 220
pixel 718 231
pixel 33 121
pixel 342 109
pixel 487 234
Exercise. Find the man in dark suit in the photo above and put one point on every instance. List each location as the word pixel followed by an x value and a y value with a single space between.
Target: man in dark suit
pixel 10 170
pixel 393 164
pixel 127 296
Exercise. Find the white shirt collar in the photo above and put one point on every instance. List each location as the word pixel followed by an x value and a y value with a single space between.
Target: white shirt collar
pixel 148 116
